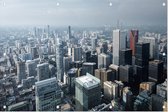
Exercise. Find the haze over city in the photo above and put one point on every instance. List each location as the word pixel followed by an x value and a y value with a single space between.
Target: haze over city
pixel 82 12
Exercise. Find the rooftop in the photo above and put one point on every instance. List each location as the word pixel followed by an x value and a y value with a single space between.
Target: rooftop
pixel 88 81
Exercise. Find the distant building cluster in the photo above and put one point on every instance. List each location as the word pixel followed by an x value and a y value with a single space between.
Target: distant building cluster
pixel 105 69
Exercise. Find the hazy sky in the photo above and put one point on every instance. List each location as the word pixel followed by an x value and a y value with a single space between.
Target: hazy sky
pixel 82 12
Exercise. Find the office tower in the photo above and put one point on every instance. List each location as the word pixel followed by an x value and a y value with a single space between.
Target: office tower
pixel 116 46
pixel 66 63
pixel 94 43
pixel 115 71
pixel 153 46
pixel 161 90
pixel 104 47
pixel 31 68
pixel 69 32
pixel 34 52
pixel 48 95
pixel 87 56
pixel 104 75
pixel 29 82
pixel 103 60
pixel 120 87
pixel 70 80
pixel 21 71
pixel 127 98
pixel 20 106
pixel 142 101
pixel 59 60
pixel 110 90
pixel 77 54
pixel 156 103
pixel 156 71
pixel 142 61
pixel 149 86
pixel 84 86
pixel 88 68
pixel 119 42
pixel 125 57
pixel 126 74
pixel 52 70
pixel 134 34
pixel 43 71
pixel 48 30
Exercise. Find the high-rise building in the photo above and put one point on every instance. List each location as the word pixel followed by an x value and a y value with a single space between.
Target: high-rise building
pixel 119 42
pixel 153 47
pixel 149 86
pixel 156 71
pixel 126 74
pixel 125 57
pixel 133 40
pixel 115 71
pixel 157 103
pixel 94 43
pixel 110 90
pixel 48 95
pixel 116 46
pixel 77 54
pixel 66 63
pixel 103 60
pixel 70 80
pixel 69 32
pixel 142 101
pixel 43 71
pixel 127 98
pixel 142 61
pixel 59 60
pixel 21 71
pixel 89 68
pixel 31 68
pixel 104 47
pixel 104 75
pixel 87 56
pixel 161 90
pixel 85 85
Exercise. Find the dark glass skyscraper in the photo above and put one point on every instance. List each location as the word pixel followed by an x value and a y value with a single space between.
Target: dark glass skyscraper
pixel 142 61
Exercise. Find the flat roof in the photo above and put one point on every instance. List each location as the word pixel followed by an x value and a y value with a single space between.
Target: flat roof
pixel 88 81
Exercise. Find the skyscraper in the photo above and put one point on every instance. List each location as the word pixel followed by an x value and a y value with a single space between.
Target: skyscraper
pixel 21 71
pixel 142 60
pixel 48 95
pixel 59 60
pixel 31 68
pixel 127 98
pixel 77 54
pixel 156 71
pixel 119 42
pixel 116 46
pixel 103 60
pixel 85 85
pixel 153 47
pixel 43 71
pixel 125 57
pixel 94 43
pixel 88 68
pixel 110 90
pixel 133 40
pixel 126 73
pixel 104 75
pixel 69 32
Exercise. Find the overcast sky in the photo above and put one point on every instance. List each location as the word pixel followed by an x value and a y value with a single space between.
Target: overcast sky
pixel 82 12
